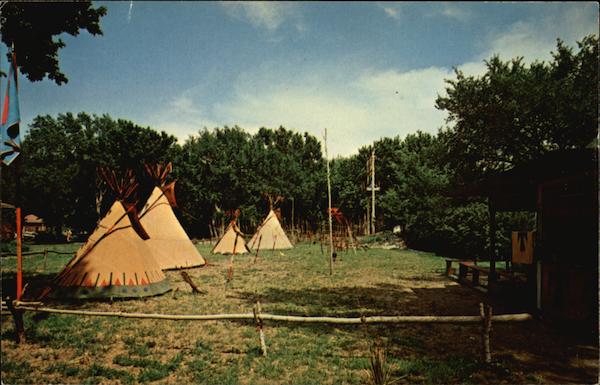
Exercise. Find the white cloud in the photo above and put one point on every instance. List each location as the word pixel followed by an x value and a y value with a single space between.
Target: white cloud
pixel 262 14
pixel 455 12
pixel 360 104
pixel 355 108
pixel 392 10
pixel 181 117
pixel 534 39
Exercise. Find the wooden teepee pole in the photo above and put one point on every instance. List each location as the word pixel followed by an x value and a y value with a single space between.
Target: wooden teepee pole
pixel 329 206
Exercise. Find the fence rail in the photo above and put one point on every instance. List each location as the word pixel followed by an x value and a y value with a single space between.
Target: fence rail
pixel 485 319
pixel 41 252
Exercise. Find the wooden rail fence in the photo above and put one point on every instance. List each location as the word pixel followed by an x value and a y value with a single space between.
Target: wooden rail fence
pixel 45 252
pixel 485 319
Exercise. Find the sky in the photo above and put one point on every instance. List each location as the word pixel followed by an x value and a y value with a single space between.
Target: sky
pixel 362 70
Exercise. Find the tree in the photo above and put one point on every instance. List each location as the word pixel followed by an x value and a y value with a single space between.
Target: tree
pixel 227 168
pixel 32 26
pixel 514 112
pixel 61 156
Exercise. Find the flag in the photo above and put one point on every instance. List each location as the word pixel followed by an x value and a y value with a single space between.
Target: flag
pixel 10 119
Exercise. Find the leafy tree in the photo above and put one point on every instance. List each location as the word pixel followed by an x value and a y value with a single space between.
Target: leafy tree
pixel 61 155
pixel 227 168
pixel 514 112
pixel 32 27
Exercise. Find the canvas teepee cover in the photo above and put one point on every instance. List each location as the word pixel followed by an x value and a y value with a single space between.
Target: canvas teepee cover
pixel 169 242
pixel 270 234
pixel 114 262
pixel 227 243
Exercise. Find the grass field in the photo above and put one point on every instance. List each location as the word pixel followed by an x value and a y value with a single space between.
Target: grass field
pixel 70 349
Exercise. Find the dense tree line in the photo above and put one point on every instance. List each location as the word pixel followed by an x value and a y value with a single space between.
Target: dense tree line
pixel 217 171
pixel 509 115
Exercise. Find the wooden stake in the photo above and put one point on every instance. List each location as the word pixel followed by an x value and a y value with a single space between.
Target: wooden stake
pixel 321 242
pixel 186 277
pixel 18 318
pixel 45 257
pixel 257 248
pixel 259 326
pixel 485 313
pixel 230 267
pixel 351 239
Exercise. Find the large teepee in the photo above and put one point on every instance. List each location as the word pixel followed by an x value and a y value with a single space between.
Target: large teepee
pixel 169 242
pixel 270 235
pixel 232 241
pixel 114 262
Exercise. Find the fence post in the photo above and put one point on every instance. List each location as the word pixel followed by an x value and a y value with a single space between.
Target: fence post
pixel 45 257
pixel 486 326
pixel 259 326
pixel 18 318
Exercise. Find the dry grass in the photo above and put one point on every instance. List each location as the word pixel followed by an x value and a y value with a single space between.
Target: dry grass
pixel 68 349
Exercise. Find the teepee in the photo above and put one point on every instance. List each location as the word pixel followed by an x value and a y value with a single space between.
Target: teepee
pixel 270 235
pixel 232 241
pixel 115 262
pixel 169 242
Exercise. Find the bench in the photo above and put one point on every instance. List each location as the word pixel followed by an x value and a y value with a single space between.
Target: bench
pixel 463 269
pixel 466 266
pixel 449 269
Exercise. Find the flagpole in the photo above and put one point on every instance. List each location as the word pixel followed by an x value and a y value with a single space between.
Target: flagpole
pixel 18 196
pixel 10 117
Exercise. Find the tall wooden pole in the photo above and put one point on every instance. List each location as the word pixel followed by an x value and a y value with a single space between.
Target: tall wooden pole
pixel 329 207
pixel 373 191
pixel 18 162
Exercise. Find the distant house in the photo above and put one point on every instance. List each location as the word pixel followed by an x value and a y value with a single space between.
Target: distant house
pixel 33 224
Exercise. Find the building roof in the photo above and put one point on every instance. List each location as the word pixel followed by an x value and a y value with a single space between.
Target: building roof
pixel 516 189
pixel 33 219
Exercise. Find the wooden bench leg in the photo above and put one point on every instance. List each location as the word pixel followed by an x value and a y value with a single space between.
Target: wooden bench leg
pixel 475 277
pixel 462 273
pixel 448 268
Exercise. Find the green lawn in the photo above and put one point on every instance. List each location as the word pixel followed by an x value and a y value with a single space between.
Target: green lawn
pixel 69 349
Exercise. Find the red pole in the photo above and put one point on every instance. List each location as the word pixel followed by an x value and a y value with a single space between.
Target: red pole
pixel 19 256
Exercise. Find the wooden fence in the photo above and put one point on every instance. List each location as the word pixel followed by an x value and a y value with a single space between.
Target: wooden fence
pixel 485 319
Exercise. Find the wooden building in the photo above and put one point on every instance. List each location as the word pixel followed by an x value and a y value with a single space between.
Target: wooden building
pixel 561 187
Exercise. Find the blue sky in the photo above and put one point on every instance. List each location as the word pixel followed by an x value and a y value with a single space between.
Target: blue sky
pixel 363 70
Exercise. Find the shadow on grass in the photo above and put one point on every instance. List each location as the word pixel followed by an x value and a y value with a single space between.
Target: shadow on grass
pixel 382 299
pixel 35 283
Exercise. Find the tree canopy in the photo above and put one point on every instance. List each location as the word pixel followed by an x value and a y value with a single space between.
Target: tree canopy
pixel 517 112
pixel 60 158
pixel 32 27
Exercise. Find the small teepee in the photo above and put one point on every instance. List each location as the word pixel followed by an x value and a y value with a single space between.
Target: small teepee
pixel 169 242
pixel 232 241
pixel 270 234
pixel 115 262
